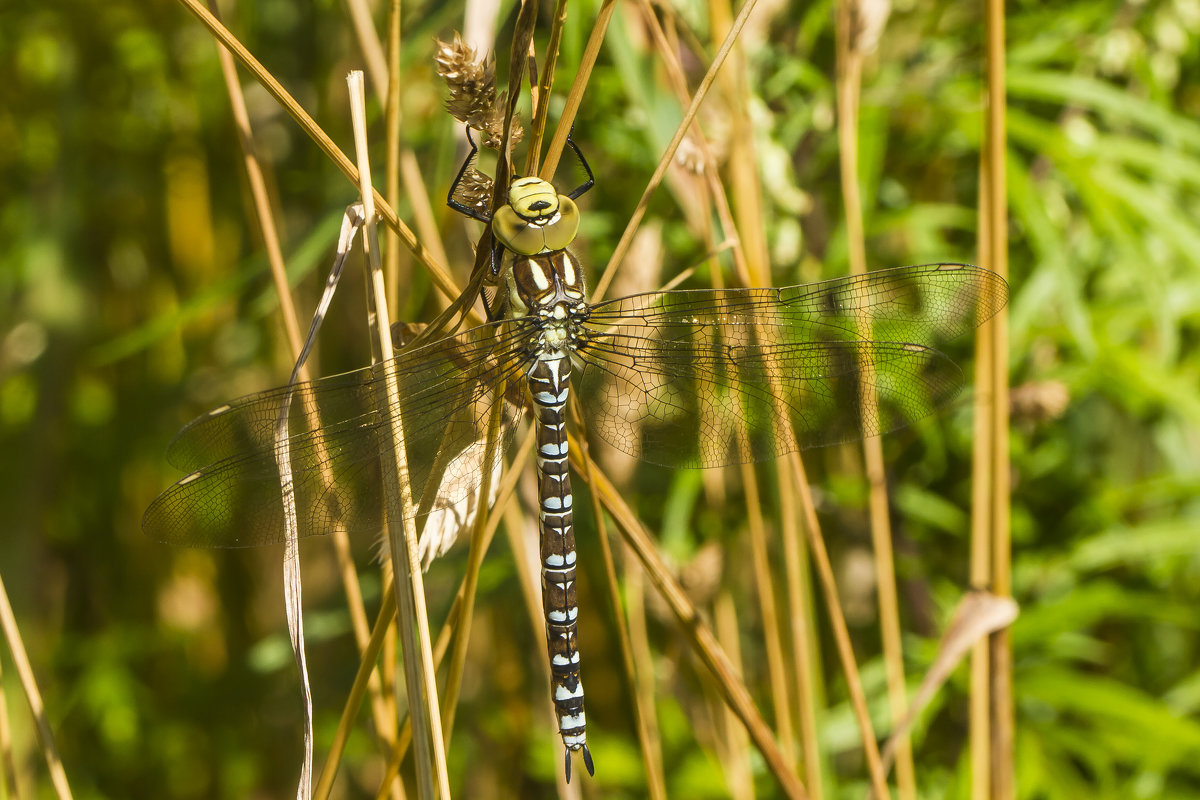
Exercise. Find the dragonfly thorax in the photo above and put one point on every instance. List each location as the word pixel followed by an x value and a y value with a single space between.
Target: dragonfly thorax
pixel 549 288
pixel 560 328
pixel 536 220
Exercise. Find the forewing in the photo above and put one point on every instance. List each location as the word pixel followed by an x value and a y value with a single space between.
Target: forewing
pixel 232 496
pixel 711 377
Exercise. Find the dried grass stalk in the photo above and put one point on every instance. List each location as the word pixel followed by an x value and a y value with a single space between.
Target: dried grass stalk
pixel 471 81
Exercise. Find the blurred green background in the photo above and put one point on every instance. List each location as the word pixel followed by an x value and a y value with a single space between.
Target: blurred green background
pixel 134 295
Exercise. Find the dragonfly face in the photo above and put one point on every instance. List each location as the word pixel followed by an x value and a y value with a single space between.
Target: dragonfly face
pixel 686 378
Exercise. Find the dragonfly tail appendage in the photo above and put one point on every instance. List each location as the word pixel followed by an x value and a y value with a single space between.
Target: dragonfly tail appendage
pixel 549 379
pixel 587 762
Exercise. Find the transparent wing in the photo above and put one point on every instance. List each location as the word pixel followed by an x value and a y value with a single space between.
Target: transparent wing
pixel 231 498
pixel 710 377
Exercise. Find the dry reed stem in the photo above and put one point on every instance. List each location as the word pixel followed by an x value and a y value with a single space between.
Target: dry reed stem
pixel 8 764
pixel 751 264
pixel 537 102
pixel 696 186
pixel 996 361
pixel 262 202
pixel 764 585
pixel 465 601
pixel 520 54
pixel 990 683
pixel 12 635
pixel 750 229
pixel 735 746
pixel 393 768
pixel 683 181
pixel 451 624
pixel 805 657
pixel 980 567
pixel 626 240
pixel 849 85
pixel 716 191
pixel 837 620
pixel 979 712
pixel 413 618
pixel 438 273
pixel 701 637
pixel 270 234
pixel 639 639
pixel 392 165
pixel 743 163
pixel 710 729
pixel 389 660
pixel 541 106
pixel 583 73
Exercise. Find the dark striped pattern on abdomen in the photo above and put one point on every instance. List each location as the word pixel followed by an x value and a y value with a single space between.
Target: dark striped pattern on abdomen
pixel 549 380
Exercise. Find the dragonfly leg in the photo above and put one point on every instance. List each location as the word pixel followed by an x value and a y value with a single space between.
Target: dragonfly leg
pixel 591 179
pixel 456 204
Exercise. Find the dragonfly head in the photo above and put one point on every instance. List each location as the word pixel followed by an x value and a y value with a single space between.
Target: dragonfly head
pixel 537 218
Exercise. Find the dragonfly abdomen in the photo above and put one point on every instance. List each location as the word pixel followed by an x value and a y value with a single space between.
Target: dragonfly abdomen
pixel 549 382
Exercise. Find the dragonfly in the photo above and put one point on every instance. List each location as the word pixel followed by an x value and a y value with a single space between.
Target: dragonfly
pixel 680 378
